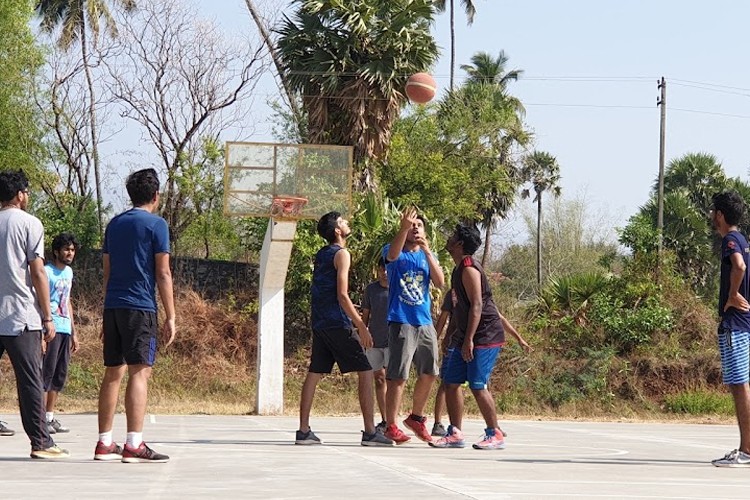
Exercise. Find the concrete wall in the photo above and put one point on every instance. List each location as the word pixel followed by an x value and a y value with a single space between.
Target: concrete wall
pixel 211 278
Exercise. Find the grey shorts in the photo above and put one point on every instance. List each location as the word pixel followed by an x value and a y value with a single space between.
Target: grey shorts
pixel 378 357
pixel 411 344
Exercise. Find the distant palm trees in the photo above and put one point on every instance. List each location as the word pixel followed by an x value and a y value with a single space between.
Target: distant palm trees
pixel 542 171
pixel 470 10
pixel 490 73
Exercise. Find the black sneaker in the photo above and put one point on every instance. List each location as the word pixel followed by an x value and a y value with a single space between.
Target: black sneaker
pixel 308 437
pixel 142 454
pixel 55 426
pixel 382 426
pixel 5 430
pixel 375 439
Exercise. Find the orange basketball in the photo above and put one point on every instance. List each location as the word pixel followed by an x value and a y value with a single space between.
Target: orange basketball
pixel 420 88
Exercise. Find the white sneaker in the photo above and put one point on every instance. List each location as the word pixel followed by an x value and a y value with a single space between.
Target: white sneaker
pixel 734 458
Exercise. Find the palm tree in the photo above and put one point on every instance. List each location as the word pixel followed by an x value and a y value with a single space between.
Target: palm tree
pixel 470 10
pixel 490 72
pixel 542 171
pixel 76 18
pixel 486 69
pixel 349 62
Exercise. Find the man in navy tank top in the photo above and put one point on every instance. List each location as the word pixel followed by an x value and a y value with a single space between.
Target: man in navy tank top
pixel 734 340
pixel 334 340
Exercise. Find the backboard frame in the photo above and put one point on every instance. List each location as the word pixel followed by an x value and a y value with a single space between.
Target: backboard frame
pixel 257 202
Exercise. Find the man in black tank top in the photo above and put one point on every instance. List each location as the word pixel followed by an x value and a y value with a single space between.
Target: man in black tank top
pixel 334 340
pixel 478 337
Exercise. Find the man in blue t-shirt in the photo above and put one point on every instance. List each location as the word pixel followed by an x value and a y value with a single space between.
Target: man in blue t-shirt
pixel 411 335
pixel 734 329
pixel 136 261
pixel 57 355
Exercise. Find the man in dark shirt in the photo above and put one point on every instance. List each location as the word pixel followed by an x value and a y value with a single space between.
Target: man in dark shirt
pixel 734 310
pixel 334 340
pixel 375 316
pixel 477 339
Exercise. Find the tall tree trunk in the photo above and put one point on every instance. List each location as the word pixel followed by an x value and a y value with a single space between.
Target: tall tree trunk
pixel 94 129
pixel 453 43
pixel 539 239
pixel 487 236
pixel 277 62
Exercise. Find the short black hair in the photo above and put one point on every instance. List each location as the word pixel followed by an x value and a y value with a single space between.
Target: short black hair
pixel 11 182
pixel 64 240
pixel 731 204
pixel 381 262
pixel 142 186
pixel 327 226
pixel 469 236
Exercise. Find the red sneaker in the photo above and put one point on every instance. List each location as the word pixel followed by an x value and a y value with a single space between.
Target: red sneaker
pixel 111 452
pixel 142 454
pixel 396 435
pixel 418 428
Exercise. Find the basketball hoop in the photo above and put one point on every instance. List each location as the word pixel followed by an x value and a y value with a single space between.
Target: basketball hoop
pixel 287 207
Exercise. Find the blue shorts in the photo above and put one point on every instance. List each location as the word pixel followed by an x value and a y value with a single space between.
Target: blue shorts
pixel 477 371
pixel 735 356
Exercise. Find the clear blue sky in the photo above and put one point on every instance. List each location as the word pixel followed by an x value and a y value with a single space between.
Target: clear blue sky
pixel 589 86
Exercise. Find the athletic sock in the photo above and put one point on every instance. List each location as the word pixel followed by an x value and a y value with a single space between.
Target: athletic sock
pixel 134 439
pixel 50 416
pixel 418 418
pixel 105 438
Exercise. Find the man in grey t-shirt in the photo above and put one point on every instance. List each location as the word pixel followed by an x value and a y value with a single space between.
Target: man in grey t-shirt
pixel 375 316
pixel 25 314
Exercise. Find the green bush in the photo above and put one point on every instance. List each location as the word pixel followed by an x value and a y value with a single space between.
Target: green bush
pixel 700 402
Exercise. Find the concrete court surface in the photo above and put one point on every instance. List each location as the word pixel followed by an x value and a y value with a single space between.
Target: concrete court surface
pixel 254 457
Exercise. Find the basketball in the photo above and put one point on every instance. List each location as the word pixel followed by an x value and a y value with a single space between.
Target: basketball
pixel 420 88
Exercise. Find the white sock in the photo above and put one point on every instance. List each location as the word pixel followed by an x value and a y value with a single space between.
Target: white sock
pixel 50 415
pixel 134 439
pixel 106 438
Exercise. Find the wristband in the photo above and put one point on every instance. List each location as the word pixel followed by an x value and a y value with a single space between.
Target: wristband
pixel 47 321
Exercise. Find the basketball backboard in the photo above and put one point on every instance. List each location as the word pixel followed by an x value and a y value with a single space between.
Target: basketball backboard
pixel 257 173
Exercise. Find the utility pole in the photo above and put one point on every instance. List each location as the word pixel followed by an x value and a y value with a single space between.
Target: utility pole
pixel 661 101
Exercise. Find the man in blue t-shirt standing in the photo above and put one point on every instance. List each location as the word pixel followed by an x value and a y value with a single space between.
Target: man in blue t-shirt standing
pixel 411 335
pixel 57 355
pixel 136 261
pixel 734 338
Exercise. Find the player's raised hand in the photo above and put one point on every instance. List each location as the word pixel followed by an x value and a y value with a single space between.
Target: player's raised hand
pixel 408 218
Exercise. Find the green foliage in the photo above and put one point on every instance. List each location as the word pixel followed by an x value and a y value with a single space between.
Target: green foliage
pixel 418 172
pixel 568 381
pixel 69 213
pixel 208 233
pixel 20 60
pixel 574 242
pixel 589 310
pixel 689 183
pixel 699 402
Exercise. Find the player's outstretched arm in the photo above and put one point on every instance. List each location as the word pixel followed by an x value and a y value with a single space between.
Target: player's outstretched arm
pixel 508 327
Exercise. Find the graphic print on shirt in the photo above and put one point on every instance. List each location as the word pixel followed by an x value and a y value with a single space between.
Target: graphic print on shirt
pixel 62 292
pixel 412 287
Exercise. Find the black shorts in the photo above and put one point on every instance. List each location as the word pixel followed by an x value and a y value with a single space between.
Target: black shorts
pixel 55 364
pixel 340 346
pixel 129 337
